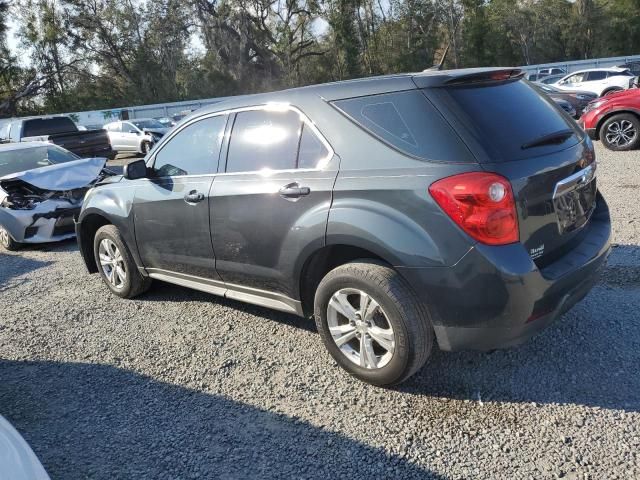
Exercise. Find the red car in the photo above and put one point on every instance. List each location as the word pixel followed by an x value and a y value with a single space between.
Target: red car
pixel 615 120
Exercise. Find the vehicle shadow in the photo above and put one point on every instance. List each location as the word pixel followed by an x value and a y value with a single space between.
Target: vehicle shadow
pixel 166 292
pixel 12 266
pixel 589 357
pixel 98 421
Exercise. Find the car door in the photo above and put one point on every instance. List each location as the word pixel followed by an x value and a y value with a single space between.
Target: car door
pixel 271 203
pixel 596 81
pixel 130 137
pixel 171 207
pixel 114 131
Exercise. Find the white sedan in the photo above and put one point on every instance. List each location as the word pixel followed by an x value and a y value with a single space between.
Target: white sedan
pixel 600 81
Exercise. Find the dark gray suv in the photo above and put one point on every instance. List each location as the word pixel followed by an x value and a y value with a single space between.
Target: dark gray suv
pixel 460 205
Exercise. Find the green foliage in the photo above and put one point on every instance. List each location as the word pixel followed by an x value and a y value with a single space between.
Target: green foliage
pixel 102 54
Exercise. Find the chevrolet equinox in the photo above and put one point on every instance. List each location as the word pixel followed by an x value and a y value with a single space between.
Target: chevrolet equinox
pixel 459 206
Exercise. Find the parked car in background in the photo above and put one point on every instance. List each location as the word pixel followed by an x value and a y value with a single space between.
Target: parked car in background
pixel 550 79
pixel 135 136
pixel 601 81
pixel 577 98
pixel 41 189
pixel 392 209
pixel 566 106
pixel 615 120
pixel 17 460
pixel 166 122
pixel 61 131
pixel 633 67
pixel 545 72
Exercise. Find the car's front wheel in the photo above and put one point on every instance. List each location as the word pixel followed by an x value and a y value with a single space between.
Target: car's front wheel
pixel 116 265
pixel 372 322
pixel 7 242
pixel 621 132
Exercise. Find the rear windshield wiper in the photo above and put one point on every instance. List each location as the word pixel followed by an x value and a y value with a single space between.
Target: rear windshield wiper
pixel 549 139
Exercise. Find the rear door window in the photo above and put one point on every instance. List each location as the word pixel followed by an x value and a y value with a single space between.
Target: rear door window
pixel 263 139
pixel 506 117
pixel 408 122
pixel 597 75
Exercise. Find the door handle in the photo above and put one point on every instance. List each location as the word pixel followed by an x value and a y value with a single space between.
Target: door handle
pixel 194 197
pixel 293 190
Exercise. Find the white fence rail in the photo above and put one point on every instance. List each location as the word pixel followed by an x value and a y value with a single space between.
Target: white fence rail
pixel 573 65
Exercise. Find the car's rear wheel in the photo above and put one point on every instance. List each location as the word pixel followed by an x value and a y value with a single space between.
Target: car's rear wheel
pixel 621 132
pixel 7 242
pixel 372 322
pixel 116 265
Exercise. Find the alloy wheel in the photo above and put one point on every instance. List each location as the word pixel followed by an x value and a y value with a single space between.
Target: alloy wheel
pixel 621 133
pixel 4 237
pixel 112 263
pixel 360 328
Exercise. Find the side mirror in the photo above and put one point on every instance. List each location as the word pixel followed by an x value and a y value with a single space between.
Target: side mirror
pixel 135 170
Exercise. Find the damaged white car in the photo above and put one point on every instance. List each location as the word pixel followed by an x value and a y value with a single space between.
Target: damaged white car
pixel 41 190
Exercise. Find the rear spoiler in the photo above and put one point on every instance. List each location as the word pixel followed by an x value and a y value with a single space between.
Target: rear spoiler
pixel 467 76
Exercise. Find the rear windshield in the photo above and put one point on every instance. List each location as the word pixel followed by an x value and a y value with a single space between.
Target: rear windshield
pixel 23 159
pixel 48 126
pixel 408 122
pixel 504 118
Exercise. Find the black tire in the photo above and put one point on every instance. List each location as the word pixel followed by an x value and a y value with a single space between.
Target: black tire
pixel 627 122
pixel 610 91
pixel 134 282
pixel 405 313
pixel 7 242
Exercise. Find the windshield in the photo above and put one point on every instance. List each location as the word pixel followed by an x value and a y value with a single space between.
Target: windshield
pixel 147 124
pixel 23 159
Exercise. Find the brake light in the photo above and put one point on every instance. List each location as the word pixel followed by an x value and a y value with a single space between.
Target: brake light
pixel 481 203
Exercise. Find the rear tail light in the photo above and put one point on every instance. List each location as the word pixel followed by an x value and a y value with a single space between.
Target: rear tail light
pixel 481 203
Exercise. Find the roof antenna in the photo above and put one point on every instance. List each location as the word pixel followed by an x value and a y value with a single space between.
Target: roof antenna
pixel 446 50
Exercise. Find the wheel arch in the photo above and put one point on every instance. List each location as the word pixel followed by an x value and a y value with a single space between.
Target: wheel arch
pixel 610 114
pixel 321 262
pixel 86 230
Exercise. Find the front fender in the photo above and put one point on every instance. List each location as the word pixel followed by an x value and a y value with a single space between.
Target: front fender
pixel 113 203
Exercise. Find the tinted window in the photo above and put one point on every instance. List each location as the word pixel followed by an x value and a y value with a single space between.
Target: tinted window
pixel 504 117
pixel 194 150
pixel 409 122
pixel 23 159
pixel 149 123
pixel 598 75
pixel 312 150
pixel 48 126
pixel 264 139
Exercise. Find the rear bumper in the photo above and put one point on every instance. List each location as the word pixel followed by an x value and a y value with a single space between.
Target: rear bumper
pixel 592 132
pixel 496 297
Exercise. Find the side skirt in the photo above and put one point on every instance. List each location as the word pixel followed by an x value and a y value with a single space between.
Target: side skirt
pixel 254 296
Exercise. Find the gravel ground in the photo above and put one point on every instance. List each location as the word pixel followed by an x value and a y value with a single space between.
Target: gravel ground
pixel 179 384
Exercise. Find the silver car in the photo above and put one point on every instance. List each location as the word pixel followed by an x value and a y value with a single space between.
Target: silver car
pixel 135 136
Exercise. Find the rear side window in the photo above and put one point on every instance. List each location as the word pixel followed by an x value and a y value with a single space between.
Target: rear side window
pixel 408 122
pixel 597 75
pixel 312 150
pixel 263 139
pixel 505 117
pixel 48 126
